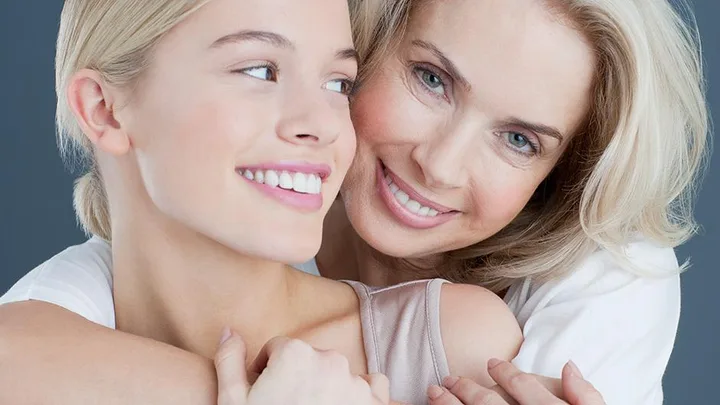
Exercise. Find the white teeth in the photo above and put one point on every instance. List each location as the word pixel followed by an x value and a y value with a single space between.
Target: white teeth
pixel 305 183
pixel 286 181
pixel 312 184
pixel 299 183
pixel 402 197
pixel 271 178
pixel 411 205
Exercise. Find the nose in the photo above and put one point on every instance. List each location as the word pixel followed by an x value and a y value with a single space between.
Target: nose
pixel 443 159
pixel 309 119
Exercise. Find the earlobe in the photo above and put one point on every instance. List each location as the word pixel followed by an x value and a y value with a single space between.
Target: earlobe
pixel 92 103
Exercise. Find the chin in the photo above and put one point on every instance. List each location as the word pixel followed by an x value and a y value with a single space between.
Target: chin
pixel 292 248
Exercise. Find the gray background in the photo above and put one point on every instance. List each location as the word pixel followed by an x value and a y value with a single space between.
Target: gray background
pixel 37 220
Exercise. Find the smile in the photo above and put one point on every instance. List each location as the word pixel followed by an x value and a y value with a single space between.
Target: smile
pixel 306 183
pixel 407 205
pixel 298 185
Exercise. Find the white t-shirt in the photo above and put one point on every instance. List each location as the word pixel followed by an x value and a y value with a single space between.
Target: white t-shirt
pixel 618 328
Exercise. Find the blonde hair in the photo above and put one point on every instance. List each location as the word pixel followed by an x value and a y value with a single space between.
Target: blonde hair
pixel 116 39
pixel 632 168
pixel 378 26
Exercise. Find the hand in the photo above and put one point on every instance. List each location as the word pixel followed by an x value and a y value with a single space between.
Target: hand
pixel 291 372
pixel 516 388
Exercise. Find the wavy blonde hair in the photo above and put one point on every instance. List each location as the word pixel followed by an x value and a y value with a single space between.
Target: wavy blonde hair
pixel 632 168
pixel 116 39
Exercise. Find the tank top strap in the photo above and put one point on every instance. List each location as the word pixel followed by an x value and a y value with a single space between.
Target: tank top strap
pixel 401 335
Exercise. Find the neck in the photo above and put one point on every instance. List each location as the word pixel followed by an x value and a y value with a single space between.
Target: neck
pixel 344 255
pixel 178 287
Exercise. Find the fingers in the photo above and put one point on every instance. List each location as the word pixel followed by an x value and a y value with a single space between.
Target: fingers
pixel 272 346
pixel 465 391
pixel 578 391
pixel 379 386
pixel 230 367
pixel 523 387
pixel 442 396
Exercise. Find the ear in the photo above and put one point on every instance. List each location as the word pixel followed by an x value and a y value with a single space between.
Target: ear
pixel 92 102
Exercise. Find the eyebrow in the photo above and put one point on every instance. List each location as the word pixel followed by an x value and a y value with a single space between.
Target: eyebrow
pixel 451 68
pixel 540 129
pixel 276 40
pixel 348 54
pixel 271 38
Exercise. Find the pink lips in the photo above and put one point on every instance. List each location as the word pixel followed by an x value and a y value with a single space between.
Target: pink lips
pixel 402 214
pixel 294 199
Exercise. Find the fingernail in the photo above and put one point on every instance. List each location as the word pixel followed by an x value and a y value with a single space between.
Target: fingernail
pixel 492 363
pixel 574 370
pixel 434 392
pixel 450 381
pixel 226 333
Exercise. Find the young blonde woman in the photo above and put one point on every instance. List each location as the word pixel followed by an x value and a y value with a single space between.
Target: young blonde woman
pixel 545 147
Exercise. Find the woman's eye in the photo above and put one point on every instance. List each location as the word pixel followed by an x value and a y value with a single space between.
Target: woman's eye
pixel 342 86
pixel 433 82
pixel 520 142
pixel 261 72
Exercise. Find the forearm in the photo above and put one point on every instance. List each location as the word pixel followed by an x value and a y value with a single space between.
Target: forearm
pixel 51 356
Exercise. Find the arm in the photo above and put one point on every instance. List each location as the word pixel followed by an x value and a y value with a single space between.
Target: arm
pixel 476 326
pixel 617 327
pixel 52 356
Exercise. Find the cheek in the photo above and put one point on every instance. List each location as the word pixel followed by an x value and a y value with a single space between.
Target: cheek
pixel 187 151
pixel 504 198
pixel 385 112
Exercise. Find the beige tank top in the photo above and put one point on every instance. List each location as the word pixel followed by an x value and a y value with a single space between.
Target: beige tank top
pixel 401 333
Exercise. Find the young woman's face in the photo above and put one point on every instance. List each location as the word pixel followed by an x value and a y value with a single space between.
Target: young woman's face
pixel 459 127
pixel 241 127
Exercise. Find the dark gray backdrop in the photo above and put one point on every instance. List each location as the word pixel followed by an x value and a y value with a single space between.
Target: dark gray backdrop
pixel 37 220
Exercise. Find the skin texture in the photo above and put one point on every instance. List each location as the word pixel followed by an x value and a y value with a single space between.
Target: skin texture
pixel 460 142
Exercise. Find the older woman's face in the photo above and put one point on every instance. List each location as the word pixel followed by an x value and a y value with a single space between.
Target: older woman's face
pixel 459 127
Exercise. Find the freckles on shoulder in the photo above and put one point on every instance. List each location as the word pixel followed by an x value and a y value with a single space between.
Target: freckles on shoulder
pixel 476 326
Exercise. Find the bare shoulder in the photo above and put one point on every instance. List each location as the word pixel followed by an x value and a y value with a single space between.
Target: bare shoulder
pixel 476 325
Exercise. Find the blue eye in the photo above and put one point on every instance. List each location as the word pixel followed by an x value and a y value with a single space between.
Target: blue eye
pixel 342 86
pixel 267 73
pixel 432 81
pixel 520 142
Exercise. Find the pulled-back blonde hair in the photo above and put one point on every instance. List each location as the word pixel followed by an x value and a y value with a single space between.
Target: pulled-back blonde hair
pixel 116 39
pixel 632 168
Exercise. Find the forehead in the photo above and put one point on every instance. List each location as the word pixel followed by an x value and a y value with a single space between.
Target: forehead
pixel 319 24
pixel 519 58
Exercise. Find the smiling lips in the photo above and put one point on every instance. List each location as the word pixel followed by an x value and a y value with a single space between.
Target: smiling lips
pixel 298 185
pixel 407 205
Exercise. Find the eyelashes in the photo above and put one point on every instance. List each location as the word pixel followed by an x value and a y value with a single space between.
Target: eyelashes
pixel 270 73
pixel 520 143
pixel 265 72
pixel 432 80
pixel 342 86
